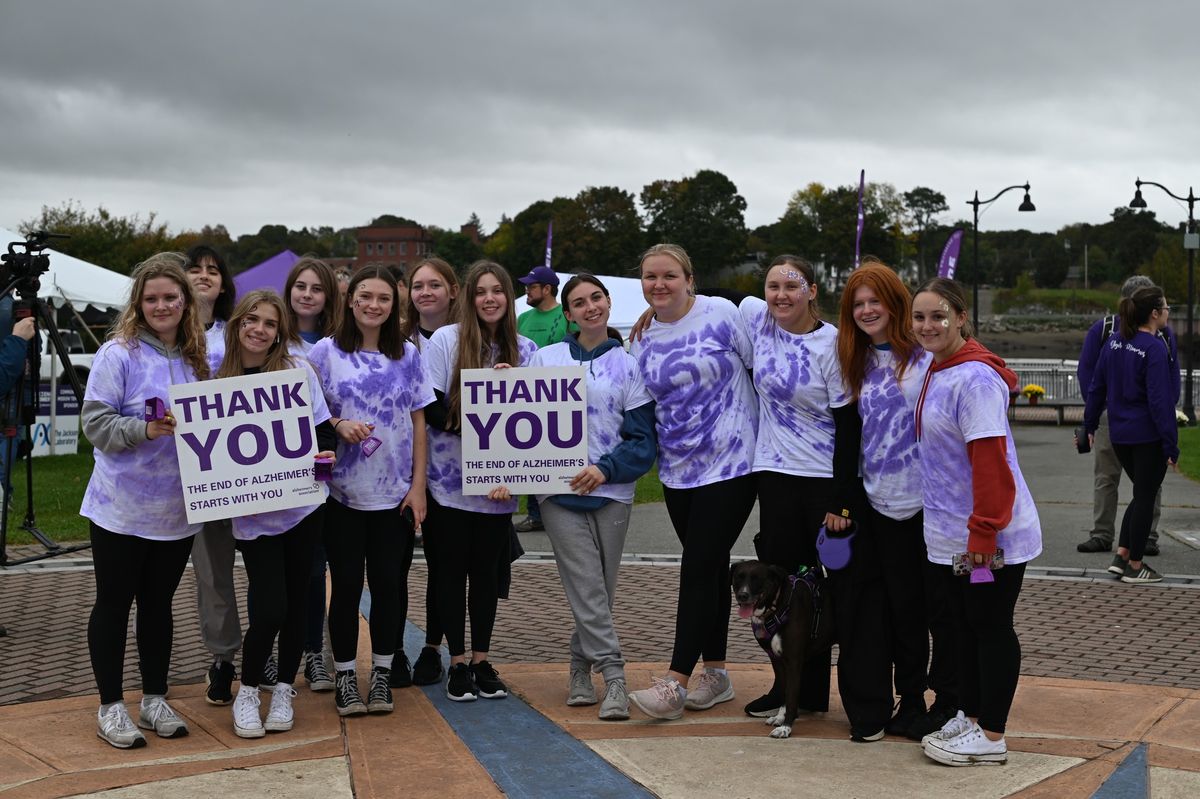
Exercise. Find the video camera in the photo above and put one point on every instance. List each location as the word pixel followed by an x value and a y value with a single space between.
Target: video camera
pixel 21 270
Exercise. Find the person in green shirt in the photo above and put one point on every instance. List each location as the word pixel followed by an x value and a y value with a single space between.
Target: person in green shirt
pixel 544 324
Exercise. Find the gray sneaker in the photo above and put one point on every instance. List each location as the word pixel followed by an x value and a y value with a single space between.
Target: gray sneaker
pixel 118 729
pixel 580 690
pixel 662 700
pixel 1118 565
pixel 615 706
pixel 155 714
pixel 710 688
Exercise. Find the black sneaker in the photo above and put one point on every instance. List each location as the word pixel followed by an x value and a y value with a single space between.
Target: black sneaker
pixel 460 686
pixel 401 671
pixel 1118 565
pixel 316 673
pixel 530 525
pixel 910 711
pixel 488 681
pixel 379 698
pixel 270 675
pixel 1094 544
pixel 930 722
pixel 428 668
pixel 1152 549
pixel 347 698
pixel 1144 574
pixel 219 679
pixel 765 706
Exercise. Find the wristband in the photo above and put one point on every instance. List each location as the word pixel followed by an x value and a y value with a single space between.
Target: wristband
pixel 335 427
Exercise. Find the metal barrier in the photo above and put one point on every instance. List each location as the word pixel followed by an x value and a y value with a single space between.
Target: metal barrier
pixel 1058 377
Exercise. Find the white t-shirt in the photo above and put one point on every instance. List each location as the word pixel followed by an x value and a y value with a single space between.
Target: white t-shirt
pixel 965 403
pixel 371 387
pixel 707 414
pixel 799 382
pixel 445 448
pixel 889 434
pixel 614 385
pixel 214 338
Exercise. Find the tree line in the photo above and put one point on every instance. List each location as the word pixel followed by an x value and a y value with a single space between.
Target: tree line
pixel 603 229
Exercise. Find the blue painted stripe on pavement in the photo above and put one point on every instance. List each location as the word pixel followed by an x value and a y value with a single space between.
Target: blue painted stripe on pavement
pixel 524 752
pixel 1130 780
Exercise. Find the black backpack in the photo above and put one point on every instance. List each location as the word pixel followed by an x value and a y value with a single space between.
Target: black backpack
pixel 1110 324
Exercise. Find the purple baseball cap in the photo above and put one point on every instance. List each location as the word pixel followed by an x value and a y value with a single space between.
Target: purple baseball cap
pixel 540 274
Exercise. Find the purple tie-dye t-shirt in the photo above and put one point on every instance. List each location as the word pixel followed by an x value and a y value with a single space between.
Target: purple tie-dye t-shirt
pixel 707 414
pixel 799 383
pixel 445 449
pixel 889 433
pixel 137 491
pixel 614 385
pixel 371 387
pixel 246 528
pixel 965 403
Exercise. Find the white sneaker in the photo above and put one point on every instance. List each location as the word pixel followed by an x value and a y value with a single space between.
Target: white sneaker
pixel 280 716
pixel 951 729
pixel 246 720
pixel 155 714
pixel 972 748
pixel 118 729
pixel 662 700
pixel 710 688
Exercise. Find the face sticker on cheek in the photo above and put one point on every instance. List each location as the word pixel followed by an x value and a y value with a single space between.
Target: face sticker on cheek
pixel 946 323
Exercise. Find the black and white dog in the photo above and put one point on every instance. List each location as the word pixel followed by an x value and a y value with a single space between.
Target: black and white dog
pixel 794 614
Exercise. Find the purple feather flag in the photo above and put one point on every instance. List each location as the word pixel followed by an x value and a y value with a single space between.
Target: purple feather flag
pixel 549 242
pixel 949 260
pixel 862 177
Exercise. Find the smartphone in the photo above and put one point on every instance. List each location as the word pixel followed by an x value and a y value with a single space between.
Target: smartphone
pixel 963 566
pixel 1081 440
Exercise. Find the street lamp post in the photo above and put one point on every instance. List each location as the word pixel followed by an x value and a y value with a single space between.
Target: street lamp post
pixel 1026 205
pixel 1190 243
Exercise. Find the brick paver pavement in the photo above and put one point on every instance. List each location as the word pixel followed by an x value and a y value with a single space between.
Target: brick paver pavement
pixel 1072 629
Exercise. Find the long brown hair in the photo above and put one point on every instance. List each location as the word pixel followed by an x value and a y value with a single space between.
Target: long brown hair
pixel 349 337
pixel 278 356
pixel 412 318
pixel 806 269
pixel 189 337
pixel 953 294
pixel 475 343
pixel 586 278
pixel 1137 309
pixel 854 345
pixel 331 314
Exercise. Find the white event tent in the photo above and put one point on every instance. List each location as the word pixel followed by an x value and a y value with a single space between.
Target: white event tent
pixel 77 282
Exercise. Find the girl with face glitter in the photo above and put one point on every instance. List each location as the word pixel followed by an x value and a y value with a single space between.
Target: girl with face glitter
pixel 377 389
pixel 884 368
pixel 976 503
pixel 134 500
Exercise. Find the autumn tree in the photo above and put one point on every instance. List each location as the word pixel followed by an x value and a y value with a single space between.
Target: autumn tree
pixel 704 214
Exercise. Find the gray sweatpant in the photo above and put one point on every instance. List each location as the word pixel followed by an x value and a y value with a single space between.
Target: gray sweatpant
pixel 587 548
pixel 212 561
pixel 1107 472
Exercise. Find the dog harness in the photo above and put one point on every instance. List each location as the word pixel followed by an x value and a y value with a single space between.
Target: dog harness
pixel 767 628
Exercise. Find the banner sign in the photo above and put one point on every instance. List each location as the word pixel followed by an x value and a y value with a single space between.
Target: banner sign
pixel 949 260
pixel 549 243
pixel 57 433
pixel 525 429
pixel 862 218
pixel 245 444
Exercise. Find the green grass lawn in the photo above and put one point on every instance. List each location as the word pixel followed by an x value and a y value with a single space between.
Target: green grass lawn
pixel 1189 451
pixel 58 485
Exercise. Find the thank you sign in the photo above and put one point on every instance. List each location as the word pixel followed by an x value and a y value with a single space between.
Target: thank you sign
pixel 245 444
pixel 525 429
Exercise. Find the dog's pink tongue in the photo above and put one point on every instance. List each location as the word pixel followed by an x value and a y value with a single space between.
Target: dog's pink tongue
pixel 745 611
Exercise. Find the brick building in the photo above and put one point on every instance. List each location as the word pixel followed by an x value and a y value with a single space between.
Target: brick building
pixel 392 246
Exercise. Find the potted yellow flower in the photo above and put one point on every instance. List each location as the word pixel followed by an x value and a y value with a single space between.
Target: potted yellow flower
pixel 1033 392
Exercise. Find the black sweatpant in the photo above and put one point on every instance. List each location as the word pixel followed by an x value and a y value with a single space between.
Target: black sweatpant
pixel 129 568
pixel 376 539
pixel 989 652
pixel 279 568
pixel 915 612
pixel 707 521
pixel 469 546
pixel 1146 466
pixel 433 622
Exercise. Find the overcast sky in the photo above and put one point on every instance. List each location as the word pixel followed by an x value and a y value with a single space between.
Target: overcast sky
pixel 309 113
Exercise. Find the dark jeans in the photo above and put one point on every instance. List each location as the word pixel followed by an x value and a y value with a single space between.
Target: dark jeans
pixel 376 539
pixel 128 568
pixel 470 547
pixel 989 652
pixel 1146 466
pixel 707 521
pixel 279 568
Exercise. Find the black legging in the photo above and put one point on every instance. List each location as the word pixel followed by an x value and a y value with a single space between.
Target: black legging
pixel 378 539
pixel 707 520
pixel 1146 466
pixel 279 569
pixel 433 623
pixel 314 625
pixel 127 568
pixel 469 547
pixel 989 652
